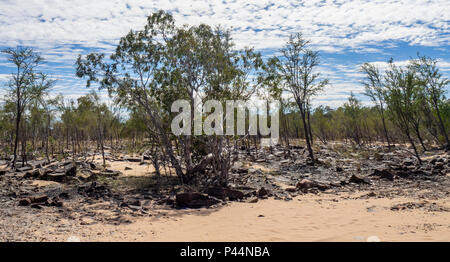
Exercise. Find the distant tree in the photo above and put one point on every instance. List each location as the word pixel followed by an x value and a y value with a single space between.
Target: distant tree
pixel 374 88
pixel 25 85
pixel 296 69
pixel 353 118
pixel 403 91
pixel 434 85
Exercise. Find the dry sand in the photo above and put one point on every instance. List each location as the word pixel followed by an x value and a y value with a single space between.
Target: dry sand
pixel 306 218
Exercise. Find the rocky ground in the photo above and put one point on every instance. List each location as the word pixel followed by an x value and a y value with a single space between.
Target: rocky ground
pixel 47 201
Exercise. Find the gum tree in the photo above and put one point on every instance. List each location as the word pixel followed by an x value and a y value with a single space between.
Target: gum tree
pixel 25 85
pixel 162 63
pixel 374 88
pixel 296 68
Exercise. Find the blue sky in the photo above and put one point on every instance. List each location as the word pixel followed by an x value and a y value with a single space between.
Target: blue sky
pixel 346 33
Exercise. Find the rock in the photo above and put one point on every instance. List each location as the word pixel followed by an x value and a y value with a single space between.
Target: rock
pixel 2 172
pixel 37 206
pixel 33 200
pixel 44 171
pixel 24 169
pixel 359 180
pixel 57 177
pixel 128 168
pixel 56 202
pixel 24 202
pixel 194 200
pixel 383 173
pixel 94 190
pixel 37 163
pixel 234 194
pixel 39 199
pixel 92 166
pixel 109 173
pixel 305 184
pixel 408 162
pixel 223 193
pixel 291 189
pixel 252 200
pixel 262 192
pixel 86 176
pixel 339 169
pixel 132 159
pixel 439 165
pixel 33 174
pixel 70 169
pixel 241 171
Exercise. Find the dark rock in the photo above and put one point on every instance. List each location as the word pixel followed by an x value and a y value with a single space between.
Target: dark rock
pixel 132 159
pixel 110 173
pixel 94 190
pixel 128 168
pixel 39 199
pixel 33 200
pixel 408 162
pixel 359 180
pixel 92 166
pixel 25 202
pixel 252 200
pixel 37 205
pixel 339 169
pixel 2 172
pixel 383 173
pixel 64 195
pixel 262 192
pixel 56 202
pixel 195 200
pixel 32 174
pixel 223 193
pixel 305 184
pixel 56 177
pixel 291 189
pixel 70 169
pixel 24 169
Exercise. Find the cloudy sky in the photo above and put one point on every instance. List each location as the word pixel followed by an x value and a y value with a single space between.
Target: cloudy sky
pixel 346 33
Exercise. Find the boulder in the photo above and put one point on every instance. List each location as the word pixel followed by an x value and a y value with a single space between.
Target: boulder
pixel 383 173
pixel 32 174
pixel 70 169
pixel 223 193
pixel 56 177
pixel 42 199
pixel 359 180
pixel 194 200
pixel 305 184
pixel 262 192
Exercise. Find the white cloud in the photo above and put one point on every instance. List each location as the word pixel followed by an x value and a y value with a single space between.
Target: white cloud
pixel 62 29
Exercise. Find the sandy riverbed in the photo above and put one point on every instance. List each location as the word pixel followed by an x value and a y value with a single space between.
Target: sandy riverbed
pixel 307 218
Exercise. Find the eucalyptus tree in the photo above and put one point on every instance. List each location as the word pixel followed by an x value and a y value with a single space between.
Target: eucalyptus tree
pixel 163 63
pixel 25 84
pixel 434 85
pixel 296 68
pixel 403 92
pixel 353 118
pixel 375 89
